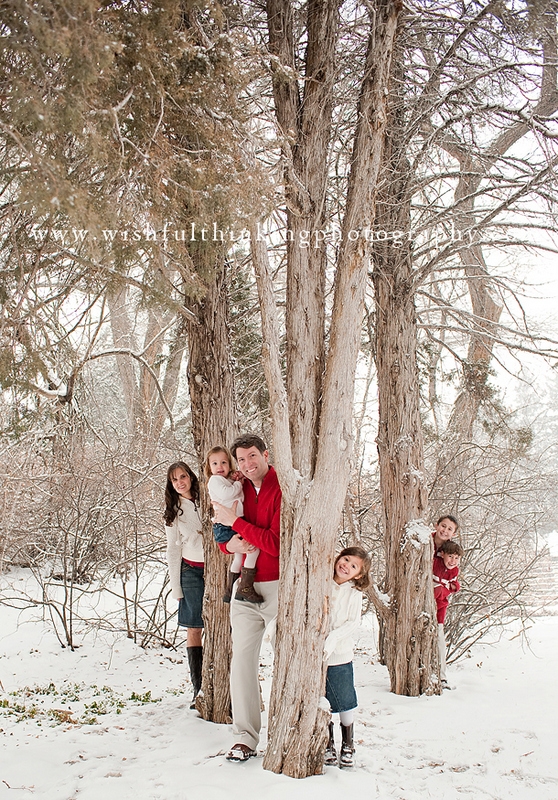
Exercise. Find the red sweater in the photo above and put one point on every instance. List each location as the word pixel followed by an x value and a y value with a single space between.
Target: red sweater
pixel 260 524
pixel 445 583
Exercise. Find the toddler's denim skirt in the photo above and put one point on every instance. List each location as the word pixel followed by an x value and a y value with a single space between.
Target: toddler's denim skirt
pixel 190 606
pixel 340 688
pixel 222 533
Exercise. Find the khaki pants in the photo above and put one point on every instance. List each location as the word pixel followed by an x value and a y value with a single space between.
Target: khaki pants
pixel 442 651
pixel 248 622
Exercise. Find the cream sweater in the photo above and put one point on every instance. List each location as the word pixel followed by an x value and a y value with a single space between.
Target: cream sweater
pixel 344 619
pixel 226 492
pixel 184 540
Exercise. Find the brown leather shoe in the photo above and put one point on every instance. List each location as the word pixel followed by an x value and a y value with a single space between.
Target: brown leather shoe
pixel 240 752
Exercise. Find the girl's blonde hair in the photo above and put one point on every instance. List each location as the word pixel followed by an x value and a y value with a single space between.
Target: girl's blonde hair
pixel 363 580
pixel 212 452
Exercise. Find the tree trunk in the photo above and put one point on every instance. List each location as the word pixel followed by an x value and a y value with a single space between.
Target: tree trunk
pixel 305 129
pixel 214 422
pixel 146 413
pixel 408 629
pixel 122 338
pixel 313 501
pixel 177 347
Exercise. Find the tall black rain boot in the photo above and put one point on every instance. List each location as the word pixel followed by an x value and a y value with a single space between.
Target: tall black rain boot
pixel 195 660
pixel 347 747
pixel 330 758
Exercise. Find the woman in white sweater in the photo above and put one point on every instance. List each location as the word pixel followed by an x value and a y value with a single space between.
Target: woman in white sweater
pixel 186 560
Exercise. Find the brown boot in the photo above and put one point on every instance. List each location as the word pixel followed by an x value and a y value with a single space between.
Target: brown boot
pixel 233 576
pixel 246 589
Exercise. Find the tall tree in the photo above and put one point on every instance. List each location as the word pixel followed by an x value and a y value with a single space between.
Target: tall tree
pixel 312 498
pixel 451 184
pixel 125 123
pixel 214 422
pixel 408 621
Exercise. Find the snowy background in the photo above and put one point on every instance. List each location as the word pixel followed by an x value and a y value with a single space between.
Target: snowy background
pixel 112 721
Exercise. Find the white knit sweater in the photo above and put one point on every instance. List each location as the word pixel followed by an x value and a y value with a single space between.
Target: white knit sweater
pixel 184 540
pixel 226 492
pixel 344 619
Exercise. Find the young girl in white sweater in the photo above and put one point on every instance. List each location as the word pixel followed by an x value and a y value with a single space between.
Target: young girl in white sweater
pixel 350 578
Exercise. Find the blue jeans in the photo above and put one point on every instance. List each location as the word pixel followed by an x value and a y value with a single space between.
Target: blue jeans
pixel 222 533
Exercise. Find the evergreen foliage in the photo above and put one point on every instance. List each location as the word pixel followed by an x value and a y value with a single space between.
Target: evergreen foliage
pixel 120 129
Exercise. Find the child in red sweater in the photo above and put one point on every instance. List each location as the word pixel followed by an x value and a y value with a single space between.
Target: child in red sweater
pixel 446 570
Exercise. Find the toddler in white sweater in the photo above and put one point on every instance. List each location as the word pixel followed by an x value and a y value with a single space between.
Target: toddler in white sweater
pixel 224 489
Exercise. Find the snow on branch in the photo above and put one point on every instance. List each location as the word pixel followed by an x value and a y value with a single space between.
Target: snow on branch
pixel 417 533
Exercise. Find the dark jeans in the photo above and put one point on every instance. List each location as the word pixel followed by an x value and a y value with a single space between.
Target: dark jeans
pixel 222 533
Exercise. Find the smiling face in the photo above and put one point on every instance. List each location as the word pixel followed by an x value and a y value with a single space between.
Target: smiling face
pixel 182 483
pixel 347 568
pixel 444 531
pixel 219 464
pixel 252 464
pixel 451 560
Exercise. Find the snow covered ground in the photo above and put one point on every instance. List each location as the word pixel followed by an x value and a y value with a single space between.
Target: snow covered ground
pixel 111 721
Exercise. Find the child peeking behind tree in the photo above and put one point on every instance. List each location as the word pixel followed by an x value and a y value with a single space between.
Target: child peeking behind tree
pixel 446 570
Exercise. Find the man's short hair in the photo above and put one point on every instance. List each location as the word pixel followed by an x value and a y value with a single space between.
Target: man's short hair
pixel 246 441
pixel 451 547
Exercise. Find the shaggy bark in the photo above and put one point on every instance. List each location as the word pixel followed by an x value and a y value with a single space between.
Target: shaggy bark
pixel 313 498
pixel 409 629
pixel 214 421
pixel 305 129
pixel 408 626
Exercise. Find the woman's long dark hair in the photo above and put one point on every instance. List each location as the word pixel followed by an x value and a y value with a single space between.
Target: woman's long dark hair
pixel 172 498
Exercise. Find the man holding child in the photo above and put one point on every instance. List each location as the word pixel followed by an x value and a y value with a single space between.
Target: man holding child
pixel 258 528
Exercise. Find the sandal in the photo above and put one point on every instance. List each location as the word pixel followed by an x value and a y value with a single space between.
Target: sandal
pixel 240 752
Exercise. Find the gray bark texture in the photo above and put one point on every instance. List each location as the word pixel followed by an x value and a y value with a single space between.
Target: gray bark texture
pixel 408 625
pixel 313 497
pixel 214 422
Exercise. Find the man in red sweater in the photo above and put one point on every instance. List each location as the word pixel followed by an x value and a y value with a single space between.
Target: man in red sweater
pixel 260 528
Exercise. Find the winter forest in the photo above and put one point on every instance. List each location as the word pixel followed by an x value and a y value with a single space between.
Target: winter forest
pixel 330 223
